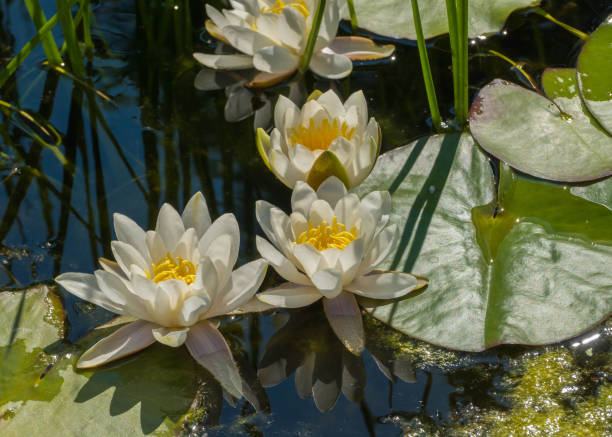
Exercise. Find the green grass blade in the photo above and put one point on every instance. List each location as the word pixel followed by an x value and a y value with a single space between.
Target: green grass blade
pixel 72 43
pixel 47 40
pixel 426 68
pixel 312 37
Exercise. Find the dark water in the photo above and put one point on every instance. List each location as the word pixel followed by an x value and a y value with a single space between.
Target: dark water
pixel 160 140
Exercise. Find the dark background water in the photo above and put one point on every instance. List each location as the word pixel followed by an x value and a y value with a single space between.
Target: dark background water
pixel 160 140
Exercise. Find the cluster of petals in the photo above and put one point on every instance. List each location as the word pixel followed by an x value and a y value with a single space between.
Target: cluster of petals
pixel 323 138
pixel 334 274
pixel 271 36
pixel 174 280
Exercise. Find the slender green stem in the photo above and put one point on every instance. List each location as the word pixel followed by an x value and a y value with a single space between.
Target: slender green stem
pixel 74 51
pixel 47 41
pixel 86 11
pixel 426 68
pixel 517 66
pixel 312 37
pixel 353 14
pixel 28 47
pixel 567 27
pixel 462 43
pixel 451 12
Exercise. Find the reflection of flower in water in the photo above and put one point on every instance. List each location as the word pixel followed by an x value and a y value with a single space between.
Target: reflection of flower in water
pixel 272 36
pixel 244 101
pixel 323 367
pixel 174 280
pixel 325 137
pixel 328 249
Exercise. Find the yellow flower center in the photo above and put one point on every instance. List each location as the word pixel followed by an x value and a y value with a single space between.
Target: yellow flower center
pixel 320 137
pixel 324 237
pixel 168 268
pixel 279 5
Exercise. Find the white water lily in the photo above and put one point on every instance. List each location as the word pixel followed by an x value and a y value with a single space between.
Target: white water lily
pixel 174 280
pixel 272 36
pixel 324 138
pixel 328 249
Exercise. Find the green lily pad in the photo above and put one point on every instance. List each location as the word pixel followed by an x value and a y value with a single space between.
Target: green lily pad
pixel 153 391
pixel 394 17
pixel 531 268
pixel 595 74
pixel 560 142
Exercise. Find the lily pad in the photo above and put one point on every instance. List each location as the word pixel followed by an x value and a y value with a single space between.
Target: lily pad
pixel 595 74
pixel 153 391
pixel 393 18
pixel 530 268
pixel 559 141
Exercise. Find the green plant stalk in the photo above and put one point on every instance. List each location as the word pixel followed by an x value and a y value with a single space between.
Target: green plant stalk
pixel 426 68
pixel 77 20
pixel 14 63
pixel 74 51
pixel 85 9
pixel 567 27
pixel 517 66
pixel 451 13
pixel 47 40
pixel 353 14
pixel 312 37
pixel 462 16
pixel 144 16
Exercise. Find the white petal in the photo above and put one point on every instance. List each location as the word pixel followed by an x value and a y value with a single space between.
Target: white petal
pixel 328 282
pixel 350 260
pixel 358 48
pixel 157 248
pixel 112 267
pixel 125 341
pixel 320 211
pixel 358 101
pixel 389 285
pixel 289 295
pixel 292 27
pixel 221 243
pixel 329 24
pixel 250 6
pixel 225 62
pixel 170 337
pixel 253 306
pixel 211 80
pixel 330 65
pixel 377 203
pixel 206 277
pixel 283 169
pixel 240 288
pixel 170 294
pixel 145 289
pixel 267 24
pixel 246 40
pixel 129 232
pixel 169 226
pixel 84 285
pixel 280 263
pixel 208 347
pixel 275 59
pixel 113 286
pixel 347 210
pixel 302 197
pixel 196 214
pixel 299 224
pixel 345 319
pixel 282 108
pixel 194 308
pixel 331 102
pixel 217 17
pixel 309 257
pixel 127 256
pixel 331 190
pixel 302 158
pixel 344 150
pixel 187 246
pixel 380 247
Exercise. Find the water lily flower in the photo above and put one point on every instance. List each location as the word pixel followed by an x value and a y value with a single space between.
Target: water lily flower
pixel 271 37
pixel 174 280
pixel 325 138
pixel 328 249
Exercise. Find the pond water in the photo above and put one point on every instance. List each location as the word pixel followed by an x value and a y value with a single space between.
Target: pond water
pixel 159 139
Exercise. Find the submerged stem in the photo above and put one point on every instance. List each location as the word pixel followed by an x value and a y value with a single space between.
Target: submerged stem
pixel 426 68
pixel 567 27
pixel 517 66
pixel 462 49
pixel 312 37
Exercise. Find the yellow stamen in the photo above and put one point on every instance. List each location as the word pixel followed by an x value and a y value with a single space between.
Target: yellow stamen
pixel 168 268
pixel 320 137
pixel 279 5
pixel 324 237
